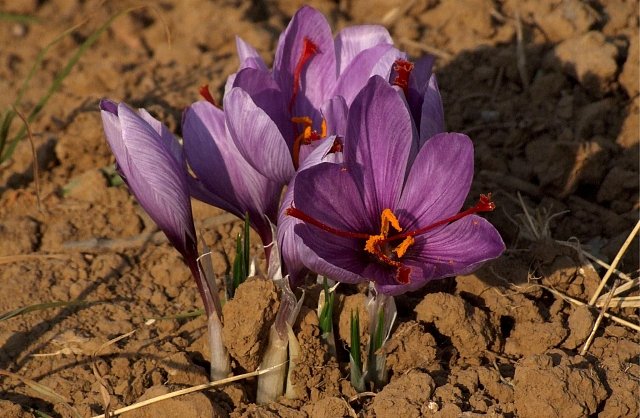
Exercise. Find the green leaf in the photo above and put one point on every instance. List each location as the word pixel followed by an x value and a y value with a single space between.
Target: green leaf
pixel 41 306
pixel 15 17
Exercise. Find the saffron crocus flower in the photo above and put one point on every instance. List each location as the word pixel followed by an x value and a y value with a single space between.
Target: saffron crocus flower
pixel 376 217
pixel 309 70
pixel 224 178
pixel 150 160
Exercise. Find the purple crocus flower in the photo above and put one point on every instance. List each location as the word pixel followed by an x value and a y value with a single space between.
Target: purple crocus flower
pixel 310 70
pixel 379 217
pixel 150 160
pixel 224 178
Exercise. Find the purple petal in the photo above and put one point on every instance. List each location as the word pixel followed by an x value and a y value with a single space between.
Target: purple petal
pixel 421 74
pixel 352 40
pixel 294 251
pixel 335 112
pixel 457 249
pixel 257 137
pixel 319 74
pixel 266 94
pixel 432 118
pixel 377 60
pixel 227 179
pixel 378 143
pixel 153 174
pixel 438 181
pixel 248 56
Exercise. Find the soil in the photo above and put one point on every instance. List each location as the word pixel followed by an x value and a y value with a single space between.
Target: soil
pixel 548 91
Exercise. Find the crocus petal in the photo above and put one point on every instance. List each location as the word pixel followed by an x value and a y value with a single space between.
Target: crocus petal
pixel 432 119
pixel 266 94
pixel 335 113
pixel 257 137
pixel 379 139
pixel 438 181
pixel 153 175
pixel 352 40
pixel 377 60
pixel 459 248
pixel 229 180
pixel 319 75
pixel 248 56
pixel 421 74
pixel 294 251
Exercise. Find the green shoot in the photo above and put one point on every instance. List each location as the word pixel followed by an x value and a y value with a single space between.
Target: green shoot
pixel 326 315
pixel 18 18
pixel 355 339
pixel 355 361
pixel 41 306
pixel 241 263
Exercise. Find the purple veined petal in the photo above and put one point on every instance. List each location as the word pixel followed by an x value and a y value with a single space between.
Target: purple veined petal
pixel 266 94
pixel 378 144
pixel 352 40
pixel 225 178
pixel 257 137
pixel 421 74
pixel 335 113
pixel 319 73
pixel 377 60
pixel 248 56
pixel 171 141
pixel 438 181
pixel 459 248
pixel 294 252
pixel 432 118
pixel 153 175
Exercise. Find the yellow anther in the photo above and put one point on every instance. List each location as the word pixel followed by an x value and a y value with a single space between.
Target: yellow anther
pixel 370 245
pixel 404 246
pixel 388 218
pixel 305 120
pixel 323 128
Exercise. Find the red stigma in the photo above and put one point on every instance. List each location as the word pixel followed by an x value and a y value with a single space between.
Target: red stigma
pixel 337 146
pixel 402 68
pixel 309 49
pixel 296 213
pixel 206 94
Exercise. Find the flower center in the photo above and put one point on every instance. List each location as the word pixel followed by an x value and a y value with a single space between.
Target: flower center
pixel 307 136
pixel 379 245
pixel 309 49
pixel 403 69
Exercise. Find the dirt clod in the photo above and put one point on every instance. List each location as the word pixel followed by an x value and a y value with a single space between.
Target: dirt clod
pixel 404 396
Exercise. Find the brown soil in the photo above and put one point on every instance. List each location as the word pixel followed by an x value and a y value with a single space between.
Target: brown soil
pixel 554 117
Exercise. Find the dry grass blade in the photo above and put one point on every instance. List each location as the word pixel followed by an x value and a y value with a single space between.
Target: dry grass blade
pixel 598 321
pixel 44 391
pixel 577 302
pixel 36 166
pixel 190 390
pixel 593 258
pixel 615 262
pixel 426 48
pixel 39 307
pixel 8 259
pixel 622 302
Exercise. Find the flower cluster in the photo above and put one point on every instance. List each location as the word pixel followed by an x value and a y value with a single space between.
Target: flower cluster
pixel 352 129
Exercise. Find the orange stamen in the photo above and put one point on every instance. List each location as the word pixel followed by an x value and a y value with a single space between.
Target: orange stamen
pixel 306 137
